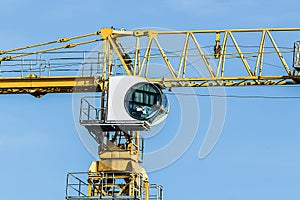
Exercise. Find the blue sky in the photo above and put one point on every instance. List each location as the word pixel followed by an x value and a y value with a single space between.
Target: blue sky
pixel 257 156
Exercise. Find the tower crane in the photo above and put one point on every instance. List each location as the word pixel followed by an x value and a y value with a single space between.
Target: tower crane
pixel 123 70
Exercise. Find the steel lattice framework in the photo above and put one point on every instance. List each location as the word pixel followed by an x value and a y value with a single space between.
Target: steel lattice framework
pixel 194 58
pixel 224 60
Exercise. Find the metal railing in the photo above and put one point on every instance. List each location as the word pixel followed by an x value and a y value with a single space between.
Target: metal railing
pixel 90 109
pixel 61 63
pixel 155 192
pixel 103 185
pixel 77 188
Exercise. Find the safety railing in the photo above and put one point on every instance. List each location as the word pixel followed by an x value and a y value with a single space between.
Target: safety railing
pixel 155 192
pixel 93 117
pixel 90 110
pixel 104 185
pixel 64 63
pixel 109 183
pixel 76 187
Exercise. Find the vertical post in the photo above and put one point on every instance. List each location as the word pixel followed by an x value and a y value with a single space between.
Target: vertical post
pixel 221 62
pixel 49 69
pixel 113 185
pixel 161 193
pixel 102 175
pixel 30 67
pixel 110 59
pixel 40 64
pixel 98 63
pixel 22 68
pixel 89 108
pixel 146 58
pixel 82 71
pixel 146 187
pixel 102 109
pixel 105 65
pixel 137 142
pixel 259 60
pixel 137 57
pixel 79 188
pixel 67 186
pixel 104 59
pixel 89 192
pixel 183 56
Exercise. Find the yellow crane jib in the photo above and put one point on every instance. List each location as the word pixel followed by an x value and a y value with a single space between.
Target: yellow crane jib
pixel 215 57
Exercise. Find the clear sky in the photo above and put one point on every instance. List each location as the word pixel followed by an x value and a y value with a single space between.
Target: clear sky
pixel 257 156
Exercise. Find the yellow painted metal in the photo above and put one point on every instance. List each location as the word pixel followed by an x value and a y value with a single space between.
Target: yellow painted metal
pixel 141 61
pixel 209 68
pixel 120 56
pixel 222 58
pixel 137 57
pixel 43 85
pixel 47 50
pixel 229 30
pixel 119 166
pixel 121 161
pixel 241 55
pixel 279 53
pixel 106 32
pixel 127 178
pixel 183 58
pixel 46 43
pixel 259 61
pixel 146 58
pixel 56 81
pixel 169 65
pixel 146 188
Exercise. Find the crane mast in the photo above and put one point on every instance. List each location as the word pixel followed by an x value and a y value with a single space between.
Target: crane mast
pixel 201 58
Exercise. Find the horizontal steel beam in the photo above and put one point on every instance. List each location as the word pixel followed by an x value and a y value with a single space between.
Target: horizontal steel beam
pixel 40 86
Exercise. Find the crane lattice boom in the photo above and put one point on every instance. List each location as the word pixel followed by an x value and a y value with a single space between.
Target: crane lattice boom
pixel 195 58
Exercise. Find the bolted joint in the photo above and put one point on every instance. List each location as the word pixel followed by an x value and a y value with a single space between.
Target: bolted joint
pixel 63 40
pixel 105 32
pixel 70 45
pixel 139 33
